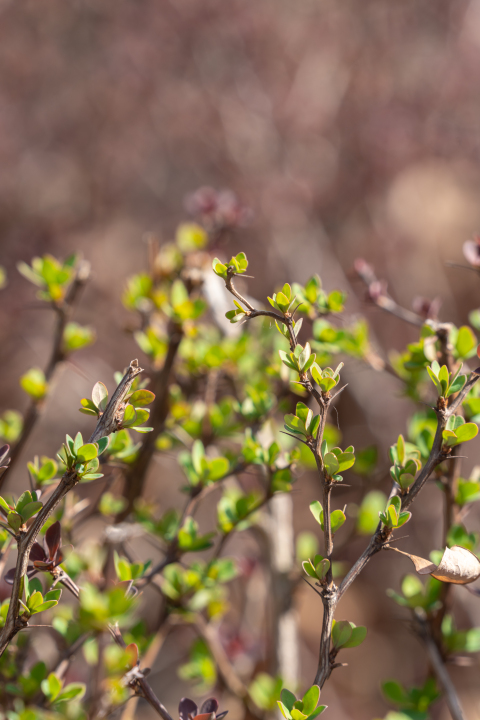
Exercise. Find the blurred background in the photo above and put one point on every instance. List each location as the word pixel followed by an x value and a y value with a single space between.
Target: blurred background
pixel 348 130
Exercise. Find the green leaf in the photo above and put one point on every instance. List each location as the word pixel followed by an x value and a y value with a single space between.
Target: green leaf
pixel 310 699
pixel 394 692
pixel 100 396
pixel 309 569
pixel 435 380
pixel 217 468
pixel 317 712
pixel 357 637
pixel 77 443
pixel 54 594
pixel 297 714
pixel 331 464
pixel 317 511
pixel 102 444
pixel 456 385
pixel 34 600
pixel 322 567
pixel 401 450
pixel 72 690
pixel 51 687
pixel 466 432
pixel 129 417
pixel 86 453
pixel 34 383
pixel 5 505
pixel 15 521
pixel 198 455
pixel 337 518
pixel 288 699
pixel 141 398
pixel 44 606
pixel 367 519
pixel 284 710
pixel 190 237
pixel 341 633
pixel 403 518
pixel 466 342
pixel 30 510
pixel 282 301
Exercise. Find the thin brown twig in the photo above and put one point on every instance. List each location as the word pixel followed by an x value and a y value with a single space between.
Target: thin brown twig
pixel 136 474
pixel 440 670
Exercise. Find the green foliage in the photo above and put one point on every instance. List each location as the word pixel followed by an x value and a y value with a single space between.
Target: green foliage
pixel 234 510
pixel 238 263
pixel 304 423
pixel 98 609
pixel 111 505
pixel 200 669
pixel 83 457
pixel 134 414
pixel 201 470
pixel 459 641
pixel 190 237
pixel 199 586
pixel 129 571
pixel 300 360
pixel 446 383
pixel 34 384
pixel 265 691
pixel 352 340
pixel 11 424
pixel 315 301
pixel 303 709
pixel 467 491
pixel 43 470
pixel 326 379
pixel 346 634
pixel 35 601
pixel 56 692
pixel 464 342
pixel 76 337
pixel 122 448
pixel 28 684
pixel 368 513
pixel 393 517
pixel 458 431
pixel 189 540
pixel 415 701
pixel 406 463
pixel 337 517
pixel 153 342
pixel 416 594
pixel 316 568
pixel 17 513
pixel 336 461
pixel 51 275
pixel 458 535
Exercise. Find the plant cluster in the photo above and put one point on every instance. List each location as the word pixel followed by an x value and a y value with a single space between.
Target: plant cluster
pixel 241 411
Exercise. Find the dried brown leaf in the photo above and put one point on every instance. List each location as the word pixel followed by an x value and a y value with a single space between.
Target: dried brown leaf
pixel 458 565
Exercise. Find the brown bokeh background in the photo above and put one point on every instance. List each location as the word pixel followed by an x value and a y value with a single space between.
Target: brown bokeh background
pixel 349 129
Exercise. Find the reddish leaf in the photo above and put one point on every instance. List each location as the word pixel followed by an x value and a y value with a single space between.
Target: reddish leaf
pixel 37 553
pixel 187 709
pixel 53 539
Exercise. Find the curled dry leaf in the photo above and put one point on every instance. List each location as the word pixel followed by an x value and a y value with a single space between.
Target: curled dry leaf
pixel 458 565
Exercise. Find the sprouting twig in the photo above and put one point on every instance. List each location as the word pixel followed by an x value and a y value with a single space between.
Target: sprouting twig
pixel 108 423
pixel 64 312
